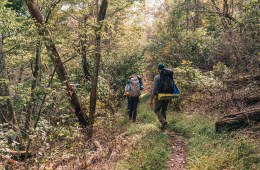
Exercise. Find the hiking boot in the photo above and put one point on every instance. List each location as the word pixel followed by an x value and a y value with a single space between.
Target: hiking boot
pixel 163 126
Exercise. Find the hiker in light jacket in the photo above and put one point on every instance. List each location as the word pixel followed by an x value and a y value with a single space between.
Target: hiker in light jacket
pixel 132 91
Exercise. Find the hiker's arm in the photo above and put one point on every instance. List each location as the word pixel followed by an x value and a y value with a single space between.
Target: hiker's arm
pixel 151 100
pixel 141 83
pixel 153 92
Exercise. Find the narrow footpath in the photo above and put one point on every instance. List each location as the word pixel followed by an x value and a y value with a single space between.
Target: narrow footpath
pixel 177 158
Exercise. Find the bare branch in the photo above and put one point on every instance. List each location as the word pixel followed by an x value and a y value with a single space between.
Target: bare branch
pixel 53 6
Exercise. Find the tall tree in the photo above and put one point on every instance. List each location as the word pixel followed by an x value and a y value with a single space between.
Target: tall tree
pixel 93 96
pixel 56 59
pixel 83 43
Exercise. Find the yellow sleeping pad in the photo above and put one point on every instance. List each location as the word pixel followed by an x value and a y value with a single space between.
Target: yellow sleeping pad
pixel 167 96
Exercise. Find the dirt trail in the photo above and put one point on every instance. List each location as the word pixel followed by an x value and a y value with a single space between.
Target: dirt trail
pixel 178 153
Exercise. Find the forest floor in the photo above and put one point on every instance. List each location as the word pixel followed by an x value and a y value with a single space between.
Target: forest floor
pixel 190 141
pixel 117 144
pixel 128 143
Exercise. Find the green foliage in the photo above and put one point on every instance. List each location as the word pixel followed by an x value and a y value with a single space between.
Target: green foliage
pixel 7 138
pixel 190 45
pixel 190 80
pixel 220 70
pixel 17 5
pixel 118 72
pixel 206 38
pixel 8 22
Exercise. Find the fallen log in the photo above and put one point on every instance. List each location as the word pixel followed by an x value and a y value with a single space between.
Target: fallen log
pixel 238 120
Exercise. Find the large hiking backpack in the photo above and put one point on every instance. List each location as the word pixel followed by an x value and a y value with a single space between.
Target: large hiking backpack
pixel 134 87
pixel 166 83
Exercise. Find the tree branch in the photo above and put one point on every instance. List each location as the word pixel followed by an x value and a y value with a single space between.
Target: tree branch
pixel 53 5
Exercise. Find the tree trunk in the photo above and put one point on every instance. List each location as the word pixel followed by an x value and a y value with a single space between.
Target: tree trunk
pixel 83 42
pixel 21 72
pixel 238 120
pixel 225 7
pixel 31 107
pixel 7 114
pixel 55 57
pixel 187 19
pixel 93 95
pixel 196 17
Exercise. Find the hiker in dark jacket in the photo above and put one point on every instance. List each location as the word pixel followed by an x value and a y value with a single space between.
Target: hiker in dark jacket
pixel 160 106
pixel 132 91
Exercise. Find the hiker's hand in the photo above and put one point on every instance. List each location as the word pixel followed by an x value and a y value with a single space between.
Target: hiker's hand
pixel 151 103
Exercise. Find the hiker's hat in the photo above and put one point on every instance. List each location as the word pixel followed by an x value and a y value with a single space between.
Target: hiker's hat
pixel 160 66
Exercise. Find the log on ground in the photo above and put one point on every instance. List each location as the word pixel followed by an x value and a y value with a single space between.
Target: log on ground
pixel 238 120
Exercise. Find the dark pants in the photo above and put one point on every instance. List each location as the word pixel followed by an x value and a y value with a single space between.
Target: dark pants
pixel 132 107
pixel 160 108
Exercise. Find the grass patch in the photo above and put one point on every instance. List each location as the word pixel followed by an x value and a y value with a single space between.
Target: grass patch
pixel 209 150
pixel 151 152
pixel 206 150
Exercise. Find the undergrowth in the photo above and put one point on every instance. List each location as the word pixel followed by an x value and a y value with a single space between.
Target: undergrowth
pixel 206 149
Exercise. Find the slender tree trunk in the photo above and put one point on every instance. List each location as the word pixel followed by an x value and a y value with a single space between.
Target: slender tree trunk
pixel 85 65
pixel 196 18
pixel 21 72
pixel 83 42
pixel 55 57
pixel 225 7
pixel 232 7
pixel 31 107
pixel 7 114
pixel 187 19
pixel 93 95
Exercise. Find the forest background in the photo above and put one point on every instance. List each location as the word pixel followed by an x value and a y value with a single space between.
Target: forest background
pixel 64 64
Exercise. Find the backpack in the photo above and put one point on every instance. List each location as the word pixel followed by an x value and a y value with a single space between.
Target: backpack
pixel 166 83
pixel 127 89
pixel 134 83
